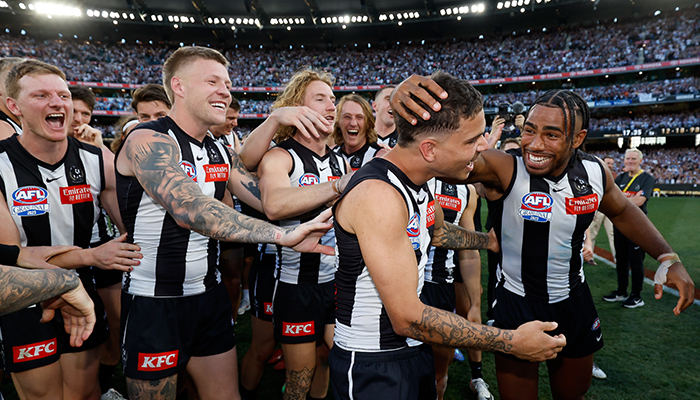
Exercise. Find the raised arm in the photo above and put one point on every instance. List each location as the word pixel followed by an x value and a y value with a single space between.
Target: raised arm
pixel 455 237
pixel 629 219
pixel 395 275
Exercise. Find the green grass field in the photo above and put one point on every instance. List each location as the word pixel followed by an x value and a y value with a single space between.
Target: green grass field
pixel 649 353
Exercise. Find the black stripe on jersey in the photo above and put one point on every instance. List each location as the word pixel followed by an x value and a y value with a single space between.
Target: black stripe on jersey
pixel 83 213
pixel 578 180
pixel 346 278
pixel 535 250
pixel 494 217
pixel 388 339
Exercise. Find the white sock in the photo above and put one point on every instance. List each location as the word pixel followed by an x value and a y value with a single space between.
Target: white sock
pixel 245 295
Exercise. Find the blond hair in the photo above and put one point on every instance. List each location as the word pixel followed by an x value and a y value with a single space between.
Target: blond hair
pixel 29 67
pixel 293 95
pixel 370 133
pixel 183 56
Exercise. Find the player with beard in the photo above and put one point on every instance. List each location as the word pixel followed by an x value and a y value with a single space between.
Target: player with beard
pixel 354 131
pixel 385 125
pixel 541 267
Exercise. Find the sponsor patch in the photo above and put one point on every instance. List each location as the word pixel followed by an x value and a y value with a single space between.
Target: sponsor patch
pixel 630 194
pixel 596 324
pixel 536 206
pixel 308 179
pixel 157 361
pixel 76 194
pixel 413 230
pixel 267 308
pixel 430 217
pixel 449 202
pixel 30 201
pixel 216 173
pixel 189 169
pixel 34 351
pixel 298 329
pixel 582 205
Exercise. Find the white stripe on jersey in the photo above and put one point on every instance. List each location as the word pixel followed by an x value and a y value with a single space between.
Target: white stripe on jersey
pixel 435 186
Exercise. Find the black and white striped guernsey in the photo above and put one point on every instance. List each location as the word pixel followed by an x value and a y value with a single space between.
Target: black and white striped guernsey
pixel 176 261
pixel 362 323
pixel 13 124
pixel 390 140
pixel 308 168
pixel 541 222
pixel 361 156
pixel 52 204
pixel 454 200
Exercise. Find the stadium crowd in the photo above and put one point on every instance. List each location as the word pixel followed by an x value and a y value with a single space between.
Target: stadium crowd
pixel 666 165
pixel 665 37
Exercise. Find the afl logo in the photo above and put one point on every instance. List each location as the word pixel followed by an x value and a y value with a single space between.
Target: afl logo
pixel 189 169
pixel 413 231
pixel 308 179
pixel 30 201
pixel 536 206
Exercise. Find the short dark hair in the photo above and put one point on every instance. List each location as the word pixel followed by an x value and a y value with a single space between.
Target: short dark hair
pixel 235 105
pixel 149 92
pixel 83 94
pixel 566 100
pixel 463 102
pixel 379 92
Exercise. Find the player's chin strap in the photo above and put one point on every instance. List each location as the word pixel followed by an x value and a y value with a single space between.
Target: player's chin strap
pixel 666 260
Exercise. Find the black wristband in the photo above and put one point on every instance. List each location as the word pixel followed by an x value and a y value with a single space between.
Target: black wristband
pixel 8 254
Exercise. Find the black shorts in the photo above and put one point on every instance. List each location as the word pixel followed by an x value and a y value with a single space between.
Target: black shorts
pixel 439 295
pixel 301 312
pixel 404 374
pixel 251 250
pixel 261 282
pixel 159 335
pixel 223 246
pixel 106 278
pixel 29 344
pixel 577 318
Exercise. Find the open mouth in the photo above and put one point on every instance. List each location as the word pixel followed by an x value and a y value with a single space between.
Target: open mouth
pixel 353 132
pixel 219 105
pixel 537 160
pixel 330 118
pixel 56 120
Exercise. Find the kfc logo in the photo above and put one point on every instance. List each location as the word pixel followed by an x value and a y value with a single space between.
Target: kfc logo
pixel 34 351
pixel 157 361
pixel 267 308
pixel 300 329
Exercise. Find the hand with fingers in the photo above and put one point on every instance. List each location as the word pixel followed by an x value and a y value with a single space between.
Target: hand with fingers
pixel 117 254
pixel 532 343
pixel 418 86
pixel 77 310
pixel 36 257
pixel 86 133
pixel 305 238
pixel 310 123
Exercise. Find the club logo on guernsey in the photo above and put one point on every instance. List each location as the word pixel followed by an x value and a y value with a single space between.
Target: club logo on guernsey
pixel 308 180
pixel 29 201
pixel 413 231
pixel 189 169
pixel 34 351
pixel 157 361
pixel 537 207
pixel 298 329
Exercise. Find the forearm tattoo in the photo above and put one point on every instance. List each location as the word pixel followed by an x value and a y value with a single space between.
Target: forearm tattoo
pixel 162 178
pixel 444 328
pixel 20 288
pixel 165 388
pixel 298 383
pixel 249 181
pixel 455 237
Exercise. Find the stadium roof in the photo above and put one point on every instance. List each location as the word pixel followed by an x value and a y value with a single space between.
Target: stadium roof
pixel 310 22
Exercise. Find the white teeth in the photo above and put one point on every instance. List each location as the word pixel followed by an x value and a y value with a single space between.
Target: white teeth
pixel 55 115
pixel 538 160
pixel 219 105
pixel 353 131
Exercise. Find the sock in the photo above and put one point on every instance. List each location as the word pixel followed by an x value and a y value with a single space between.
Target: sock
pixel 105 377
pixel 476 369
pixel 245 295
pixel 246 394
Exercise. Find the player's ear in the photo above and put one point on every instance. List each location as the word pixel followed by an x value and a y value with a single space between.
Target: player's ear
pixel 427 149
pixel 13 107
pixel 580 137
pixel 176 84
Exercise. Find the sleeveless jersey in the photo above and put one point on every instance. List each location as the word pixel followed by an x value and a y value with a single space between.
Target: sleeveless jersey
pixel 13 124
pixel 176 261
pixel 541 222
pixel 453 199
pixel 226 140
pixel 389 140
pixel 362 323
pixel 308 168
pixel 361 156
pixel 52 204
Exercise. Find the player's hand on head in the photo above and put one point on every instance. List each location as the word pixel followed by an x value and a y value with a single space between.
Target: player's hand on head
pixel 678 277
pixel 37 256
pixel 117 254
pixel 532 343
pixel 309 122
pixel 417 86
pixel 305 238
pixel 77 310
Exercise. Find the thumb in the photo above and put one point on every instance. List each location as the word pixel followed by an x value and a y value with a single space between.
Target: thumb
pixel 46 315
pixel 658 291
pixel 549 326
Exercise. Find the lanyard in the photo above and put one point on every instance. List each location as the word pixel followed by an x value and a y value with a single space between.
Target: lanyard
pixel 632 180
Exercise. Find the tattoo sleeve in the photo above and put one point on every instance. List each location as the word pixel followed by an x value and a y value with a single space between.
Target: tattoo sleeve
pixel 248 180
pixel 455 237
pixel 165 388
pixel 444 328
pixel 154 165
pixel 20 288
pixel 298 383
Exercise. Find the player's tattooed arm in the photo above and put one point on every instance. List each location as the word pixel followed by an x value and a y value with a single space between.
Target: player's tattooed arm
pixel 165 388
pixel 154 163
pixel 298 383
pixel 20 288
pixel 451 236
pixel 243 184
